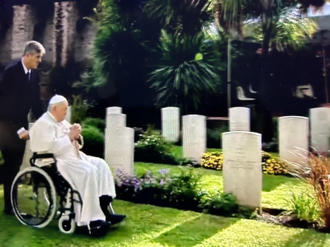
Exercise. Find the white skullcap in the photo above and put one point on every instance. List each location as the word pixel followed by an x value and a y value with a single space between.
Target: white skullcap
pixel 57 99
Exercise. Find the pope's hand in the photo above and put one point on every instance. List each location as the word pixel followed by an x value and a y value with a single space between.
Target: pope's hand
pixel 78 126
pixel 74 132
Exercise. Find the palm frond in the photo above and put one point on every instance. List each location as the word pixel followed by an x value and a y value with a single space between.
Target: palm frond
pixel 289 29
pixel 119 12
pixel 232 10
pixel 119 55
pixel 181 80
pixel 180 17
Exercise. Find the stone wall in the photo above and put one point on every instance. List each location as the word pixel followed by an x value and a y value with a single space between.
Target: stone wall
pixel 58 33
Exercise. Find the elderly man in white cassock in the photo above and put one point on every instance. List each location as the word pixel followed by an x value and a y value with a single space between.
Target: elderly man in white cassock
pixel 89 175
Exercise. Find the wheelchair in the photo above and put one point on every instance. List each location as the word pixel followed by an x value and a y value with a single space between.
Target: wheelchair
pixel 40 194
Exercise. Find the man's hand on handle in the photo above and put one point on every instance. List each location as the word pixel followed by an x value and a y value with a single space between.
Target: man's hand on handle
pixel 23 134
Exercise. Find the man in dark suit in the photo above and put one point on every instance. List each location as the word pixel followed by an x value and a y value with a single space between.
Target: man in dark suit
pixel 19 93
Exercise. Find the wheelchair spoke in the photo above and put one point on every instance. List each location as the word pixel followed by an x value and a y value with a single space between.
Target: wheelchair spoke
pixel 33 198
pixel 37 204
pixel 46 199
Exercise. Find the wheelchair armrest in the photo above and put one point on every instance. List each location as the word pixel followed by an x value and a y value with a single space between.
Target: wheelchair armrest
pixel 43 156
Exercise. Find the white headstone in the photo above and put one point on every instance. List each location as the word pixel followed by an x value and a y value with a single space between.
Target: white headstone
pixel 27 153
pixel 239 119
pixel 115 119
pixel 320 128
pixel 68 114
pixel 171 123
pixel 194 136
pixel 114 109
pixel 293 139
pixel 120 149
pixel 242 171
pixel 114 123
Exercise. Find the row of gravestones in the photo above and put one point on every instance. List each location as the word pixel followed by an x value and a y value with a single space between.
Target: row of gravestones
pixel 241 148
pixel 293 131
pixel 119 140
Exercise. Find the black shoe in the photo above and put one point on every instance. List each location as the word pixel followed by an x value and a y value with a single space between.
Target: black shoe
pixel 98 228
pixel 98 223
pixel 115 218
pixel 8 211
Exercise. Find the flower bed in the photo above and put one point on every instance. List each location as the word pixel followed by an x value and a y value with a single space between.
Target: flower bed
pixel 183 191
pixel 273 165
pixel 173 190
pixel 270 164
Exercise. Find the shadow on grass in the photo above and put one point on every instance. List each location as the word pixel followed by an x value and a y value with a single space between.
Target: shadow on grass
pixel 143 222
pixel 271 182
pixel 308 238
pixel 195 231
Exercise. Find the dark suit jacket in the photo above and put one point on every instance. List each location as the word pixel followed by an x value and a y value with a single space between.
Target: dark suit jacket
pixel 18 95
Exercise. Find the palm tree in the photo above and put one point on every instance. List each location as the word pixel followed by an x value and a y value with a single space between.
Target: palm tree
pixel 119 49
pixel 177 17
pixel 233 13
pixel 188 70
pixel 288 30
pixel 189 64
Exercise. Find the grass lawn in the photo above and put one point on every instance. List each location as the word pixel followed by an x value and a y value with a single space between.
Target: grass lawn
pixel 156 226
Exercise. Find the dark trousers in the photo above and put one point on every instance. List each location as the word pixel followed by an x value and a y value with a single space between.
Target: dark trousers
pixel 12 149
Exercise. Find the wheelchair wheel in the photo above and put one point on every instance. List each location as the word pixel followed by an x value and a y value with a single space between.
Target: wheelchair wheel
pixel 33 197
pixel 67 225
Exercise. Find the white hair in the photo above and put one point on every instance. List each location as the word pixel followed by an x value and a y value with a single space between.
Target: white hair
pixel 51 106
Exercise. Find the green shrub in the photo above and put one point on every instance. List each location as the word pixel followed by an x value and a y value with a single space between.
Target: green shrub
pixel 182 190
pixel 152 147
pixel 304 207
pixel 95 122
pixel 221 204
pixel 93 141
pixel 153 140
pixel 214 136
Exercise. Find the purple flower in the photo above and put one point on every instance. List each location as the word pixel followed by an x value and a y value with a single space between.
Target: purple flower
pixel 162 182
pixel 163 171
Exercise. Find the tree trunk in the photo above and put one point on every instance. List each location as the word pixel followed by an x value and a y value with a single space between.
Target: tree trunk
pixel 265 116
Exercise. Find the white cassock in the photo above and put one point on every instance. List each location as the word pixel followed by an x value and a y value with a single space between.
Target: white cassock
pixel 90 176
